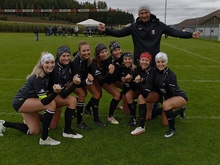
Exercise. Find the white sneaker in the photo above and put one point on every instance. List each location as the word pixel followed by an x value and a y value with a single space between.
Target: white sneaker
pixel 138 131
pixel 112 120
pixel 49 141
pixel 2 128
pixel 72 134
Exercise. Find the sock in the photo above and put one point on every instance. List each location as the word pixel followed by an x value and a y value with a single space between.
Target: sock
pixel 178 111
pixel 142 113
pixel 95 108
pixel 113 106
pixel 41 117
pixel 68 119
pixel 48 115
pixel 155 112
pixel 80 106
pixel 89 104
pixel 18 126
pixel 170 118
pixel 132 110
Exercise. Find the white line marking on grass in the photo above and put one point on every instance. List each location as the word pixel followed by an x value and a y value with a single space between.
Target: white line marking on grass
pixel 191 53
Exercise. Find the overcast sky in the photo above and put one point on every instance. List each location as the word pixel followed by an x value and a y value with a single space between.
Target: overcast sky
pixel 176 11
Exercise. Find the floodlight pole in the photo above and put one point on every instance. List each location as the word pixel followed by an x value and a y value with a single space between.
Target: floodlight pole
pixel 165 17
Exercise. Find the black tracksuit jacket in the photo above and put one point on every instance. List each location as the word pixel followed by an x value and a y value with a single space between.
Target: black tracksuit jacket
pixel 146 36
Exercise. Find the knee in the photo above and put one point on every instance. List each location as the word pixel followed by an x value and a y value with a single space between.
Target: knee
pixel 72 102
pixel 34 131
pixel 53 126
pixel 117 96
pixel 97 96
pixel 166 106
pixel 52 106
pixel 81 97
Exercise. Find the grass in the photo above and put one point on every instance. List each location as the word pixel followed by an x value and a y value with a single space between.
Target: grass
pixel 196 63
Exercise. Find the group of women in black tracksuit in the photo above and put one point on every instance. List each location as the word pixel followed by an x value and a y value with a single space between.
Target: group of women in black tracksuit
pixel 52 82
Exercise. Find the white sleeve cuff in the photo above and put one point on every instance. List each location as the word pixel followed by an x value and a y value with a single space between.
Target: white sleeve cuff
pixel 87 82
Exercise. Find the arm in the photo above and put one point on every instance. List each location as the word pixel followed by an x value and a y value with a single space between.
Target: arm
pixel 46 99
pixel 116 33
pixel 181 34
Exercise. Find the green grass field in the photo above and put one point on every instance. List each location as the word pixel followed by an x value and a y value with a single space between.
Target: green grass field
pixel 197 65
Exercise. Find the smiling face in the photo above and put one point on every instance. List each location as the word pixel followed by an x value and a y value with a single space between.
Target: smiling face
pixel 127 61
pixel 161 64
pixel 144 15
pixel 48 66
pixel 103 55
pixel 144 63
pixel 116 53
pixel 84 52
pixel 65 58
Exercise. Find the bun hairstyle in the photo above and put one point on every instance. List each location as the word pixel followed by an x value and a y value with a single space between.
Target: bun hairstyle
pixel 161 55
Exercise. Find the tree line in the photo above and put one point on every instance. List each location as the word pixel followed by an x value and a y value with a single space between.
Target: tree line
pixel 109 18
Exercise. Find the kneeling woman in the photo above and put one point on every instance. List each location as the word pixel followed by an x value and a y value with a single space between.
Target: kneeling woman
pixel 32 98
pixel 174 97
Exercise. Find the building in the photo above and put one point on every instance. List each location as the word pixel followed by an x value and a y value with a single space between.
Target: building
pixel 208 25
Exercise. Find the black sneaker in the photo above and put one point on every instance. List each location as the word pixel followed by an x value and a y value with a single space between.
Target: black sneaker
pixel 132 122
pixel 88 111
pixel 100 124
pixel 170 133
pixel 183 115
pixel 83 125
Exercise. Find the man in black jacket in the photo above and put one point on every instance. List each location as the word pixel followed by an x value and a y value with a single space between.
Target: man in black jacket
pixel 146 33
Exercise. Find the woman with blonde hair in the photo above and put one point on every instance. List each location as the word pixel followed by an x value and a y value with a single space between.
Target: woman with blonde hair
pixel 32 98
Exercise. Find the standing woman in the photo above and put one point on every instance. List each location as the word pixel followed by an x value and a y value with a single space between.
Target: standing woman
pixel 62 75
pixel 32 98
pixel 174 97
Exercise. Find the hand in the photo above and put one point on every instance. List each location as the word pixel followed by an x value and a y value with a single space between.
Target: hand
pixel 101 27
pixel 196 34
pixel 111 68
pixel 123 80
pixel 128 77
pixel 76 80
pixel 57 88
pixel 90 78
pixel 137 79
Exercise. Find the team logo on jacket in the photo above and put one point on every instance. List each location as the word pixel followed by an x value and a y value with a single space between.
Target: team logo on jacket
pixel 153 31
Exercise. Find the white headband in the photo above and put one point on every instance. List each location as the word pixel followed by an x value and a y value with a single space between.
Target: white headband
pixel 46 57
pixel 161 55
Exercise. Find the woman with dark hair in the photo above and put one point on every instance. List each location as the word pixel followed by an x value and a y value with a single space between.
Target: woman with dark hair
pixel 111 77
pixel 62 75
